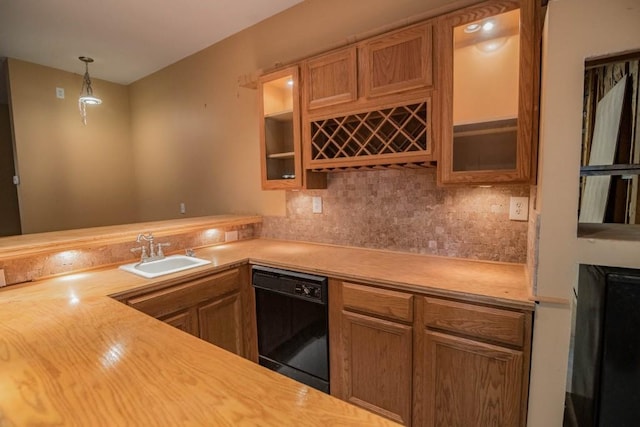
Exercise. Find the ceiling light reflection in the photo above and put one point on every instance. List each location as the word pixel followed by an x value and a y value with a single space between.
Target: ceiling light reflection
pixel 472 28
pixel 112 356
pixel 73 298
pixel 211 233
pixel 488 26
pixel 72 277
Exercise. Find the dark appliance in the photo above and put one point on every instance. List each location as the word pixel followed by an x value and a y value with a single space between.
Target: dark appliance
pixel 292 318
pixel 605 384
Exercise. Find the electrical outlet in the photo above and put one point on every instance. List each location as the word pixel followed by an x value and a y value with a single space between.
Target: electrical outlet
pixel 183 208
pixel 230 236
pixel 317 204
pixel 519 208
pixel 60 93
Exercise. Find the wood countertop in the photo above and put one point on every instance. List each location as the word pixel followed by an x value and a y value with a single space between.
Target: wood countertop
pixel 97 362
pixel 498 283
pixel 71 355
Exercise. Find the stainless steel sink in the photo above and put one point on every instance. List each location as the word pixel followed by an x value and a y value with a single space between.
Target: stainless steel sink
pixel 167 265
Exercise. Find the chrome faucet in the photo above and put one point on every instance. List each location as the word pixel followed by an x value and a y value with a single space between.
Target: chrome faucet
pixel 148 238
pixel 153 253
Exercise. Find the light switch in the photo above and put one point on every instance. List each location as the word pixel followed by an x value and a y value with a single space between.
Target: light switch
pixel 317 204
pixel 519 209
pixel 60 93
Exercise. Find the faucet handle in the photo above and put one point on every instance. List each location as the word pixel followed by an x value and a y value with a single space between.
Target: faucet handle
pixel 160 253
pixel 142 250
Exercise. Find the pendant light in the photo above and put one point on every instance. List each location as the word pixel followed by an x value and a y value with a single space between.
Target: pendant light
pixel 86 92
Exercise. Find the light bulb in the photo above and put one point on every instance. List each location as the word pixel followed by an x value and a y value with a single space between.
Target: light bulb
pixel 488 26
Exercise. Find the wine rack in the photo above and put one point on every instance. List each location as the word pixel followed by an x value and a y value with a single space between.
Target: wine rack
pixel 399 135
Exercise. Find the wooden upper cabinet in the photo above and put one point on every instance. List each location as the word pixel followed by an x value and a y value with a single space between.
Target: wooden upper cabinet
pixel 280 151
pixel 280 147
pixel 330 79
pixel 488 80
pixel 370 104
pixel 397 62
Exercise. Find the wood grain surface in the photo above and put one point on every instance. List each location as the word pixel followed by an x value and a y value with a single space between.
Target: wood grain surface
pixel 390 304
pixel 377 363
pixel 69 354
pixel 97 362
pixel 503 326
pixel 469 383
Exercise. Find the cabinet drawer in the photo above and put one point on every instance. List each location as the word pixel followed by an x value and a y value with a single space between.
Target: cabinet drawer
pixel 175 298
pixel 380 302
pixel 492 324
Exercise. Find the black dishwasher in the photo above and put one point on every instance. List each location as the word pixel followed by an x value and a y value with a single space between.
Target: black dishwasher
pixel 292 317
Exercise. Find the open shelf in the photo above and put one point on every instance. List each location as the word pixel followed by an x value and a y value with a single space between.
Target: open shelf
pixel 624 232
pixel 614 170
pixel 285 155
pixel 280 116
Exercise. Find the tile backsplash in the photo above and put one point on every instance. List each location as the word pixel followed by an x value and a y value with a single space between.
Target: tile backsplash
pixel 404 210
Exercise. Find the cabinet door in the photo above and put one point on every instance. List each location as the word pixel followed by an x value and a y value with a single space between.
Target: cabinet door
pixel 221 323
pixel 397 62
pixel 469 383
pixel 185 320
pixel 330 79
pixel 377 365
pixel 280 152
pixel 489 83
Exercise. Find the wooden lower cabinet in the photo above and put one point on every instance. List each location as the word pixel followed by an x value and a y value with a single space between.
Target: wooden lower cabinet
pixel 469 383
pixel 185 320
pixel 427 361
pixel 220 323
pixel 377 365
pixel 371 348
pixel 218 308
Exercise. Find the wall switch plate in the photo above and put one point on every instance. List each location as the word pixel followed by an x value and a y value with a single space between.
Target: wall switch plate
pixel 183 208
pixel 317 204
pixel 519 208
pixel 60 93
pixel 230 236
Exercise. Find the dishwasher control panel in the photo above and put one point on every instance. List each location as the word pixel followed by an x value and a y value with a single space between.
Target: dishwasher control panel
pixel 309 290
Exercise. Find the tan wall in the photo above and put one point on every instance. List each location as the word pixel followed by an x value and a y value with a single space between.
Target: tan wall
pixel 71 175
pixel 195 131
pixel 576 29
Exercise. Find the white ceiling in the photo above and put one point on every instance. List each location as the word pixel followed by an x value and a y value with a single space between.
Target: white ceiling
pixel 128 39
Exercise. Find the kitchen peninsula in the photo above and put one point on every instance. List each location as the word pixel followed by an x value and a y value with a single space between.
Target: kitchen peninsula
pixel 71 354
